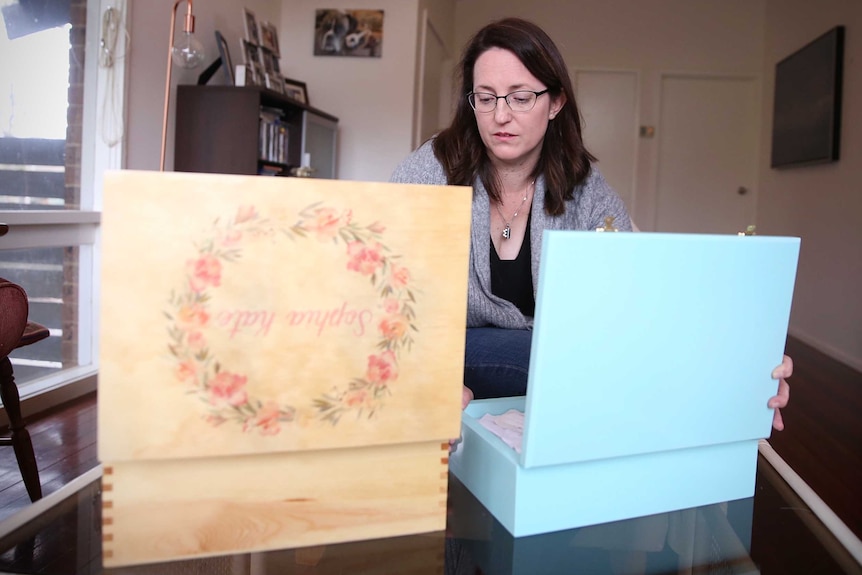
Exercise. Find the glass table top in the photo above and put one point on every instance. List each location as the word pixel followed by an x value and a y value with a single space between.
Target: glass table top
pixel 772 532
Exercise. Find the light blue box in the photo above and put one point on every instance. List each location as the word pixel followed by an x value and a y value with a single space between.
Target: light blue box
pixel 650 372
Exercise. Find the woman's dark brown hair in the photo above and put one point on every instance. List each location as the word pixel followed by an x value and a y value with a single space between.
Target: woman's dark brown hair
pixel 564 160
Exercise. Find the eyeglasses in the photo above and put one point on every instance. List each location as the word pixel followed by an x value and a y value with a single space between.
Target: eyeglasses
pixel 519 101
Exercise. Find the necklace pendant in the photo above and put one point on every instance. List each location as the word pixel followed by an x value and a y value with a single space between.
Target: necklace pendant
pixel 507 232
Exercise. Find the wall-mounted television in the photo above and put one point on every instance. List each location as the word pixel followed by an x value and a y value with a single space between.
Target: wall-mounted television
pixel 806 124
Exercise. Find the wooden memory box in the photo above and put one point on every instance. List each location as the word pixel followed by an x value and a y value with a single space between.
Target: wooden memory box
pixel 281 361
pixel 650 372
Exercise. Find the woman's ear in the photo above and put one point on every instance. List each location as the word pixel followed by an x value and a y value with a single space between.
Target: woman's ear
pixel 557 105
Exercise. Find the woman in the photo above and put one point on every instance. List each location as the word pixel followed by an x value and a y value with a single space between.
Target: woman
pixel 516 139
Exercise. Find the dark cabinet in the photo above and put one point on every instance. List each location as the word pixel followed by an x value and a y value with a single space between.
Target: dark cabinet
pixel 219 130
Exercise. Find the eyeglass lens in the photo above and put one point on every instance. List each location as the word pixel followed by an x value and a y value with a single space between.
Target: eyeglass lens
pixel 519 101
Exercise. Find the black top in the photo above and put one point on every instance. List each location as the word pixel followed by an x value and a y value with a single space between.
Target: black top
pixel 513 279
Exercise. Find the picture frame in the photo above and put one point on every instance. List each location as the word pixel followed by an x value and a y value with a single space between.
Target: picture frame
pixel 250 53
pixel 252 60
pixel 267 60
pixel 269 38
pixel 252 33
pixel 296 90
pixel 259 75
pixel 357 33
pixel 275 83
pixel 226 62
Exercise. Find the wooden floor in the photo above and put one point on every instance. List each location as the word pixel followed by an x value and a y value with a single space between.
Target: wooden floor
pixel 64 440
pixel 822 441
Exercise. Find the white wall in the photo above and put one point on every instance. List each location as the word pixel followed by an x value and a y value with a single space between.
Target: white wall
pixel 821 204
pixel 371 97
pixel 149 25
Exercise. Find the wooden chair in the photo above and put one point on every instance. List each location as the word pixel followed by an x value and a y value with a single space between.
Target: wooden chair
pixel 16 331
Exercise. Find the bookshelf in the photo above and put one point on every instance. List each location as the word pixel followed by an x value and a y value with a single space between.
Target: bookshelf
pixel 219 129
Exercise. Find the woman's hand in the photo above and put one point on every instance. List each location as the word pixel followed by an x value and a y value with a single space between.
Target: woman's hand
pixel 781 373
pixel 466 397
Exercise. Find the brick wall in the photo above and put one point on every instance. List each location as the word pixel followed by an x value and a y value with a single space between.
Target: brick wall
pixel 74 124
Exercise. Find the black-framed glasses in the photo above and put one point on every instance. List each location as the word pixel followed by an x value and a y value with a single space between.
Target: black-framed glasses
pixel 518 101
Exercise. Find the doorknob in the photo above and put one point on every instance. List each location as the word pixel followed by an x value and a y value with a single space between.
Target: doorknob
pixel 742 190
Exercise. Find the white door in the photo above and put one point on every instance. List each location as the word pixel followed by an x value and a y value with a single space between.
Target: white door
pixel 432 105
pixel 707 166
pixel 608 104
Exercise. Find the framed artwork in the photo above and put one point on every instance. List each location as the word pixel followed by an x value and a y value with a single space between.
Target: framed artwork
pixel 250 25
pixel 275 83
pixel 250 53
pixel 224 54
pixel 348 33
pixel 296 90
pixel 269 38
pixel 267 60
pixel 260 75
pixel 248 75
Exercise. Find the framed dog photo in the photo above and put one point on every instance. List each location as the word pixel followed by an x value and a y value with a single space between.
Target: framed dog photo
pixel 348 33
pixel 250 25
pixel 296 90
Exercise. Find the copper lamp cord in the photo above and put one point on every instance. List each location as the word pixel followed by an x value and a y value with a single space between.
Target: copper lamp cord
pixel 189 27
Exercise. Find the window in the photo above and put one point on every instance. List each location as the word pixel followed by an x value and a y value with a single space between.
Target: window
pixel 49 154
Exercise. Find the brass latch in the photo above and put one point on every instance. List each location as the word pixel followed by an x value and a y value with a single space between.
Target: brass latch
pixel 609 225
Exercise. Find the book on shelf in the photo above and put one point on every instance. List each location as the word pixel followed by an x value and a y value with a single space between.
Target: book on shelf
pixel 273 136
pixel 271 170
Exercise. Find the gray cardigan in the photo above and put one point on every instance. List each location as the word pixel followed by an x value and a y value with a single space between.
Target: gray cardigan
pixel 593 200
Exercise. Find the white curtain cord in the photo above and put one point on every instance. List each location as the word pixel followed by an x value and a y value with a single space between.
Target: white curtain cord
pixel 111 126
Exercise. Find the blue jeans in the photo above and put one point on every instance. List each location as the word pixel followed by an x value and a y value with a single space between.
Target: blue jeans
pixel 496 361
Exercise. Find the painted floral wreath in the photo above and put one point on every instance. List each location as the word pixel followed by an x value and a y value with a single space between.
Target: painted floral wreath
pixel 224 391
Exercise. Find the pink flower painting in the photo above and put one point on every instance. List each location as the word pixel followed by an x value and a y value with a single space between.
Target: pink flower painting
pixel 197 341
pixel 399 276
pixel 391 305
pixel 382 369
pixel 393 327
pixel 193 316
pixel 327 222
pixel 226 392
pixel 245 214
pixel 356 397
pixel 231 238
pixel 364 258
pixel 186 371
pixel 266 421
pixel 205 272
pixel 228 389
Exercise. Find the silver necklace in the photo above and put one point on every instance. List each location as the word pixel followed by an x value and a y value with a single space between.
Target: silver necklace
pixel 507 230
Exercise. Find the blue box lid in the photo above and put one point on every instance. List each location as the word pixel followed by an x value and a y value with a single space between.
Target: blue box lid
pixel 647 342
